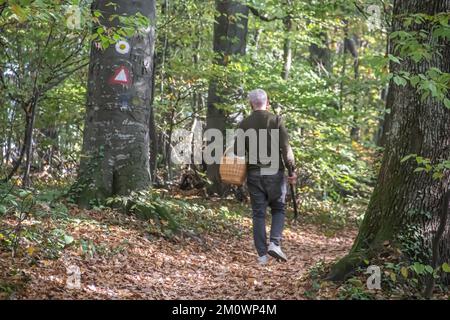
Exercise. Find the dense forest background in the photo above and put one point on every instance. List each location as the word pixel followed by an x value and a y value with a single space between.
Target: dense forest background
pixel 361 85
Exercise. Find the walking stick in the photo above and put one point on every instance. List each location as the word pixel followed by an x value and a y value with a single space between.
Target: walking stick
pixel 293 196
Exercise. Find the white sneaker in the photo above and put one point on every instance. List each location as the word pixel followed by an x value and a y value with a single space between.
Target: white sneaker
pixel 263 260
pixel 275 251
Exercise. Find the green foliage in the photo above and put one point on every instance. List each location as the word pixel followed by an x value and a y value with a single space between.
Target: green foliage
pixel 355 289
pixel 446 267
pixel 224 218
pixel 399 280
pixel 23 205
pixel 88 248
pixel 416 44
pixel 425 165
pixel 128 26
pixel 330 214
pixel 409 279
pixel 315 273
pixel 411 240
pixel 147 206
pixel 44 61
pixel 172 216
pixel 309 100
pixel 15 201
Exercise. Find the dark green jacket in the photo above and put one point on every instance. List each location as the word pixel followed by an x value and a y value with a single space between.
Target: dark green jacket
pixel 263 119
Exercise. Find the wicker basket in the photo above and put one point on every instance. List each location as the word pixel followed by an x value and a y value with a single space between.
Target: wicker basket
pixel 233 169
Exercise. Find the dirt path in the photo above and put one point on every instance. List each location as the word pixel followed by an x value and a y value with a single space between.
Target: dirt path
pixel 211 267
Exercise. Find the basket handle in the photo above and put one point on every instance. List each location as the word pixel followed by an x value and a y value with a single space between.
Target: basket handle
pixel 228 150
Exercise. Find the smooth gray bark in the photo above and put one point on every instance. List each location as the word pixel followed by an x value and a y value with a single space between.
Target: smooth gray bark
pixel 116 134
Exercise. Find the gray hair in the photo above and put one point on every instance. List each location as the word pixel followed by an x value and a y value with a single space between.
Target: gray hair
pixel 258 98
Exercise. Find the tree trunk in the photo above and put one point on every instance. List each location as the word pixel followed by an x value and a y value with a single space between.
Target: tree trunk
pixel 383 124
pixel 353 49
pixel 116 135
pixel 168 146
pixel 320 56
pixel 287 48
pixel 10 137
pixel 403 199
pixel 344 67
pixel 230 36
pixel 153 145
pixel 256 40
pixel 153 134
pixel 28 143
pixel 29 125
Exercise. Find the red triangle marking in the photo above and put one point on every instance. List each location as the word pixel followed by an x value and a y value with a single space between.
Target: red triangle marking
pixel 121 76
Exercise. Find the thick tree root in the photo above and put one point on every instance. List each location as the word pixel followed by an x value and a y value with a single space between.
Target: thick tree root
pixel 345 267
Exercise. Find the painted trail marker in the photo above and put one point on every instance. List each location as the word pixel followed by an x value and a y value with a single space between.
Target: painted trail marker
pixel 121 76
pixel 123 100
pixel 122 47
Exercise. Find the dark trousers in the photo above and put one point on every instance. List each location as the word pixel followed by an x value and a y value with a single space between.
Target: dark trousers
pixel 267 190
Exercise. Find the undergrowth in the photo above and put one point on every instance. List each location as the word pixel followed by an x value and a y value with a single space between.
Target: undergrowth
pixel 388 276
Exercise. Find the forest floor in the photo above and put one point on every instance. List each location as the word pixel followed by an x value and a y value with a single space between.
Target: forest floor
pixel 120 257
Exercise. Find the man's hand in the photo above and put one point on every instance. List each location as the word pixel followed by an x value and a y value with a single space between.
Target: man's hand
pixel 292 179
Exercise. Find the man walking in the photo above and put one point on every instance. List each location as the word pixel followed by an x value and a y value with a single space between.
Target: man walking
pixel 266 187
